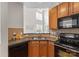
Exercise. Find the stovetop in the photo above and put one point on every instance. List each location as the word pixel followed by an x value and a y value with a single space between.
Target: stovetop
pixel 68 46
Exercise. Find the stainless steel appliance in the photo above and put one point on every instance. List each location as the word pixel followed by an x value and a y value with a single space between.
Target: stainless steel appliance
pixel 69 22
pixel 69 40
pixel 68 43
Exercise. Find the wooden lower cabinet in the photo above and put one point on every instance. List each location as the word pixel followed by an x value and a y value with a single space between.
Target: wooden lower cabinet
pixel 41 48
pixel 51 49
pixel 33 49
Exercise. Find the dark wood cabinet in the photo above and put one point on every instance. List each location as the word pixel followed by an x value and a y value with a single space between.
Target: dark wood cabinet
pixel 63 9
pixel 53 18
pixel 51 49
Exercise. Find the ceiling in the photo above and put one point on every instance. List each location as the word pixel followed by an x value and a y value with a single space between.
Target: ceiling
pixel 41 4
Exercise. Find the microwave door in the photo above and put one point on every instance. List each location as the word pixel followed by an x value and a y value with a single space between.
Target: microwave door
pixel 74 23
pixel 67 23
pixel 60 24
pixel 78 22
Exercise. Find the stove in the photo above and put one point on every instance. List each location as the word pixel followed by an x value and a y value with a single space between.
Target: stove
pixel 69 40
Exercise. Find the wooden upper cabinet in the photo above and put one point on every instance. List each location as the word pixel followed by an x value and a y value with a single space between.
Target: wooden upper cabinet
pixel 73 8
pixel 53 18
pixel 50 23
pixel 63 9
pixel 76 7
pixel 71 12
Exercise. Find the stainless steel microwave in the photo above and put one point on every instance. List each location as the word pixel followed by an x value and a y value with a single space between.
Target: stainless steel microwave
pixel 69 22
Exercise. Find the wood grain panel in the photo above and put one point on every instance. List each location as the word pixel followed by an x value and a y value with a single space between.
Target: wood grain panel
pixel 53 18
pixel 33 49
pixel 51 49
pixel 43 49
pixel 76 7
pixel 63 10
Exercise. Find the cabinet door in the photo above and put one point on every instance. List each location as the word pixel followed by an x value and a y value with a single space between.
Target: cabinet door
pixel 11 52
pixel 29 49
pixel 51 49
pixel 76 7
pixel 33 49
pixel 71 11
pixel 43 48
pixel 53 18
pixel 18 50
pixel 50 19
pixel 63 10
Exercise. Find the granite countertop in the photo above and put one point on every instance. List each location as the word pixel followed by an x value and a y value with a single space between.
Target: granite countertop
pixel 21 41
pixel 33 37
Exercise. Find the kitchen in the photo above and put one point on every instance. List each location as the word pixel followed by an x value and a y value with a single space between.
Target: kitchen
pixel 42 29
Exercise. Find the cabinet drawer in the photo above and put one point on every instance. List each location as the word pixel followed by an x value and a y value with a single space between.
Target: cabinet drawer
pixel 43 42
pixel 33 42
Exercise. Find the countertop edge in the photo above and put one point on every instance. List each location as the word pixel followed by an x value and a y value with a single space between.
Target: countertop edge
pixel 25 40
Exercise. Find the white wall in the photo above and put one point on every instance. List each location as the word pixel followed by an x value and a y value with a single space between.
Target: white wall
pixel 0 23
pixel 4 29
pixel 41 4
pixel 0 29
pixel 15 15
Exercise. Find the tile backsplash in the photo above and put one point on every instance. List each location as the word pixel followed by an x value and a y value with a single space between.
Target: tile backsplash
pixel 57 32
pixel 12 30
pixel 73 30
pixel 53 32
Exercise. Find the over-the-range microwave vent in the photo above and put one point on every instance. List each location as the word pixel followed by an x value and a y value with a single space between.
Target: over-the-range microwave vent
pixel 68 22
